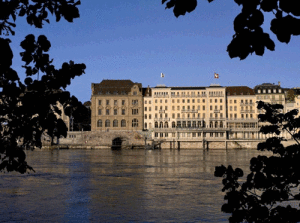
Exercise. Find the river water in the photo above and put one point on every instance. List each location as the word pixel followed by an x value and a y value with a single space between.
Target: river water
pixel 119 186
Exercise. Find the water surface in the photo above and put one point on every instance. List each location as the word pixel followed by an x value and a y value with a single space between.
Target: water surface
pixel 119 186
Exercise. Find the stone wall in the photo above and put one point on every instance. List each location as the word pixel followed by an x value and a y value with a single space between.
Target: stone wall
pixel 97 138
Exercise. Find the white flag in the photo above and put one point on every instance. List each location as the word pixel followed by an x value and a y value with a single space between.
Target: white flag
pixel 162 75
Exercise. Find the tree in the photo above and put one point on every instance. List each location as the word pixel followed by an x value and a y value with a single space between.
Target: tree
pixel 267 192
pixel 81 117
pixel 249 35
pixel 27 108
pixel 290 96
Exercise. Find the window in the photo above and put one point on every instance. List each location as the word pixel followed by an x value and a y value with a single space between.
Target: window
pixel 99 123
pixel 155 108
pixel 155 100
pixel 134 102
pixel 99 102
pixel 221 107
pixel 203 107
pixel 160 101
pixel 210 107
pixel 173 124
pixel 135 123
pixel 150 117
pixel 156 124
pixel 145 108
pixel 178 108
pixel 145 116
pixel 183 101
pixel 99 111
pixel 221 101
pixel 193 101
pixel 107 111
pixel 166 107
pixel 178 115
pixel 134 93
pixel 258 91
pixel 216 100
pixel 210 100
pixel 156 135
pixel 145 125
pixel 188 100
pixel 166 101
pixel 123 111
pixel 145 102
pixel 107 123
pixel 115 123
pixel 115 102
pixel 115 111
pixel 107 102
pixel 264 90
pixel 173 115
pixel 123 102
pixel 135 111
pixel 203 100
pixel 230 108
pixel 269 90
pixel 123 123
pixel 173 108
pixel 235 108
pixel 234 101
pixel 149 108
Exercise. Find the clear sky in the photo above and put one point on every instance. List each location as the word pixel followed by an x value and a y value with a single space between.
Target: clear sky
pixel 139 39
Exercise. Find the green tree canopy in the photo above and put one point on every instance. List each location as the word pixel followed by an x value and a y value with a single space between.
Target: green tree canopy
pixel 28 107
pixel 249 35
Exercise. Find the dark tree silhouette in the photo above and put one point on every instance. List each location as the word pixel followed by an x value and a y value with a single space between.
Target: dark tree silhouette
pixel 249 36
pixel 27 108
pixel 267 193
pixel 81 117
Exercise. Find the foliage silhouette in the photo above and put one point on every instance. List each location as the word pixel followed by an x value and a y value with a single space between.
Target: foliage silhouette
pixel 249 36
pixel 273 181
pixel 27 109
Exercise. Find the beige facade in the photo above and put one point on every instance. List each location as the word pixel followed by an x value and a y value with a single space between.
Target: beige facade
pixel 116 105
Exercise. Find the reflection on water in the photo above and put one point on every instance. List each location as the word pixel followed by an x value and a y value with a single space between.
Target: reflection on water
pixel 119 186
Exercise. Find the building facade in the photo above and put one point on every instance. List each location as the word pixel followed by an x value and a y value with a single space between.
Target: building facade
pixel 116 105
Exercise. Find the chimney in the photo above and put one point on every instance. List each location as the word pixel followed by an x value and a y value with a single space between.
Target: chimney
pixel 279 83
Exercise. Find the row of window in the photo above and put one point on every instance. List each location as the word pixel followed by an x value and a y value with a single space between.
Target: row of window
pixel 242 108
pixel 188 124
pixel 187 101
pixel 188 134
pixel 134 111
pixel 269 91
pixel 115 123
pixel 242 101
pixel 115 102
pixel 165 115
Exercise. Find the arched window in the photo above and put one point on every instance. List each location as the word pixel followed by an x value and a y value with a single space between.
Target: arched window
pixel 145 125
pixel 199 124
pixel 115 123
pixel 173 125
pixel 107 123
pixel 135 123
pixel 216 124
pixel 204 124
pixel 221 124
pixel 211 125
pixel 189 124
pixel 123 123
pixel 99 123
pixel 161 125
pixel 156 124
pixel 166 125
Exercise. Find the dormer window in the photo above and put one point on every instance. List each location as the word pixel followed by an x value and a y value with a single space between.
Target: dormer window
pixel 134 93
pixel 264 91
pixel 274 90
pixel 269 90
pixel 279 90
pixel 259 91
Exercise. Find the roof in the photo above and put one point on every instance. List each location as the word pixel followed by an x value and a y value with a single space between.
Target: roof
pixel 87 103
pixel 114 87
pixel 146 91
pixel 187 88
pixel 239 90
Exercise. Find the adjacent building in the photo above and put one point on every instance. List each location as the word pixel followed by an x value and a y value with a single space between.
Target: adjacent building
pixel 117 105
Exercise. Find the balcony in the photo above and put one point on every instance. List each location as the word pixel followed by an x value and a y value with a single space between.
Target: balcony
pixel 161 96
pixel 217 119
pixel 216 111
pixel 189 110
pixel 247 111
pixel 162 119
pixel 161 111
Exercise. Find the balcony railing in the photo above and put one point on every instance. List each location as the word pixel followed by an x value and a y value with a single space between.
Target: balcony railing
pixel 162 119
pixel 161 96
pixel 247 111
pixel 188 96
pixel 189 110
pixel 161 111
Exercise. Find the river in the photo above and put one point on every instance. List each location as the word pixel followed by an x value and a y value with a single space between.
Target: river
pixel 119 186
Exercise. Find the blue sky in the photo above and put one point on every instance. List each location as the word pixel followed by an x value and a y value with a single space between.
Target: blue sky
pixel 139 39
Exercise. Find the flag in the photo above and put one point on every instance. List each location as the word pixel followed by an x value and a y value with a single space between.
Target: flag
pixel 216 75
pixel 162 75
